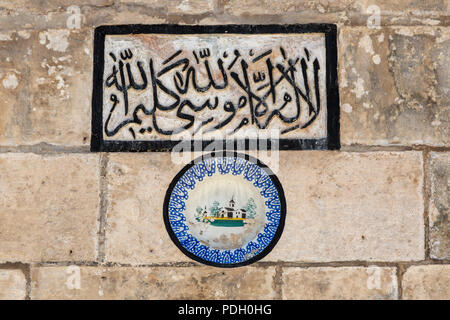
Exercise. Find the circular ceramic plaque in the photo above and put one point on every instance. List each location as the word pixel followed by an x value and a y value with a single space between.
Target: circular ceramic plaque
pixel 225 211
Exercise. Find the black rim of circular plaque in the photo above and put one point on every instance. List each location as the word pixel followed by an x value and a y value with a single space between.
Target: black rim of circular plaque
pixel 247 157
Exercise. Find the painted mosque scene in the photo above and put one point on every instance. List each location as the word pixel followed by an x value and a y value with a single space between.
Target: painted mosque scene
pixel 226 216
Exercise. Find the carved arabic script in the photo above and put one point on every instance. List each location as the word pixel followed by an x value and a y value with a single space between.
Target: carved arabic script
pixel 162 85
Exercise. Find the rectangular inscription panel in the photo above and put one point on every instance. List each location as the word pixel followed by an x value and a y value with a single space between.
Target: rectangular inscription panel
pixel 157 85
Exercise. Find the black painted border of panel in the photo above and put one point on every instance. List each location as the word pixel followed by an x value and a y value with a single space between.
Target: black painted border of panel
pixel 331 142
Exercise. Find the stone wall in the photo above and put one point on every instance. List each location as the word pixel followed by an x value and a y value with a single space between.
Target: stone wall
pixel 369 221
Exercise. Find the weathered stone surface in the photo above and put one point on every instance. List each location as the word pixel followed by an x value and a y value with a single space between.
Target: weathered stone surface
pixel 341 206
pixel 49 207
pixel 439 210
pixel 176 7
pixel 61 87
pixel 180 7
pixel 346 12
pixel 136 232
pixel 351 206
pixel 12 284
pixel 42 6
pixel 431 282
pixel 124 15
pixel 152 283
pixel 339 283
pixel 157 3
pixel 393 77
pixel 252 7
pixel 59 14
pixel 15 53
pixel 84 16
pixel 46 87
pixel 286 11
pixel 386 7
pixel 416 7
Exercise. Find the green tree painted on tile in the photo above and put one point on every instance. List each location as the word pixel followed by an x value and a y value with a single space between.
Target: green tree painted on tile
pixel 250 208
pixel 215 209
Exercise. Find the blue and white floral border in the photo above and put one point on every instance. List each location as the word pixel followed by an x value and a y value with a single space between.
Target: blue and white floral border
pixel 225 165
